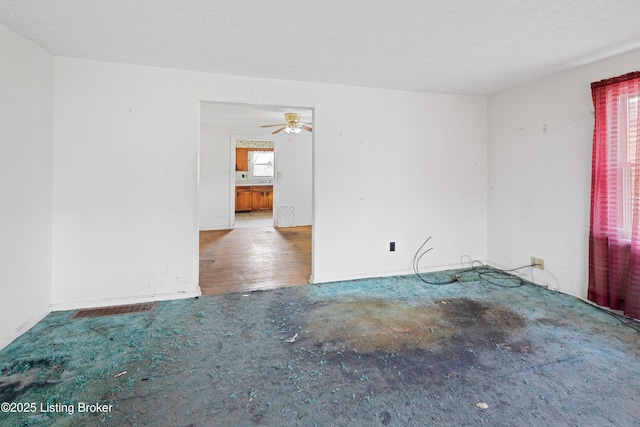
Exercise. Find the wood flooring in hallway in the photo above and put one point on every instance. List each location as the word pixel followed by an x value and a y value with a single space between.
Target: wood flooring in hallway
pixel 254 258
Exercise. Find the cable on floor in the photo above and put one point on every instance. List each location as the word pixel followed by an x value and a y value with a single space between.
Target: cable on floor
pixel 483 271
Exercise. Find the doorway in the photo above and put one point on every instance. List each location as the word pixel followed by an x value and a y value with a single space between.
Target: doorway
pixel 254 185
pixel 269 254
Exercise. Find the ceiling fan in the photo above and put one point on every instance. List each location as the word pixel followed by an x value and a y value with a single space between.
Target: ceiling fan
pixel 293 124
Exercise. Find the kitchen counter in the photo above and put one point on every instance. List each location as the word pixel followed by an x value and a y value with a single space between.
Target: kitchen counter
pixel 249 184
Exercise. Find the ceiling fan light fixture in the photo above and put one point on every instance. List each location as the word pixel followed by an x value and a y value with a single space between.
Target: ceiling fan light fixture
pixel 292 129
pixel 292 125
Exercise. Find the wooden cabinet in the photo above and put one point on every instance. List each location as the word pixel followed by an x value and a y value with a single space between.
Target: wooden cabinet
pixel 243 199
pixel 242 159
pixel 254 198
pixel 269 195
pixel 261 198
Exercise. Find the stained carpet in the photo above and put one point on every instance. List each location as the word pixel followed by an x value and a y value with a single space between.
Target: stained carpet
pixel 391 351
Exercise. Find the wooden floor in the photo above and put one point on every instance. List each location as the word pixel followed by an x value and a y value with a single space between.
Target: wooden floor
pixel 246 259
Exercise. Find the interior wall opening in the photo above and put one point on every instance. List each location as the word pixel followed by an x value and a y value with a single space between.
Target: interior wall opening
pixel 254 185
pixel 255 188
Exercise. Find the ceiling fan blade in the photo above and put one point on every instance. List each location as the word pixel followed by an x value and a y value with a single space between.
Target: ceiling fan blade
pixel 305 127
pixel 269 126
pixel 279 130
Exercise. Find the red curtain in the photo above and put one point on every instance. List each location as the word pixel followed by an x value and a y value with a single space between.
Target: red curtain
pixel 614 238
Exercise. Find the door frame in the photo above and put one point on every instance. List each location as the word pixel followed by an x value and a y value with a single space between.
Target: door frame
pixel 232 169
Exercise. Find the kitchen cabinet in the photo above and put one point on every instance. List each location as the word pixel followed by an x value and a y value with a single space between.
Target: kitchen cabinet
pixel 261 198
pixel 254 198
pixel 242 159
pixel 269 196
pixel 243 199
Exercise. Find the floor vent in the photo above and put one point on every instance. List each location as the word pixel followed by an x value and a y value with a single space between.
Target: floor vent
pixel 112 311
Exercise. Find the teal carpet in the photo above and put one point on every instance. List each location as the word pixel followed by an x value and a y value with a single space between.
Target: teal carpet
pixel 486 349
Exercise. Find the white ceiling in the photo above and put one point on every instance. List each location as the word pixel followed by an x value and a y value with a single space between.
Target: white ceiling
pixel 246 119
pixel 475 47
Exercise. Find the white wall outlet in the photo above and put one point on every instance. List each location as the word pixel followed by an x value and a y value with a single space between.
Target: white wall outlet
pixel 537 263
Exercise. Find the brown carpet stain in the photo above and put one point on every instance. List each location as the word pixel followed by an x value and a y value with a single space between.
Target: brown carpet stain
pixel 376 325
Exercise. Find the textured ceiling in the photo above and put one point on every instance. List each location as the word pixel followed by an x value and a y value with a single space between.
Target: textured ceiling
pixel 448 46
pixel 246 119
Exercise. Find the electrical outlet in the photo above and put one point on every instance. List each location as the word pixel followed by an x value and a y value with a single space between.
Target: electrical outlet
pixel 392 246
pixel 537 263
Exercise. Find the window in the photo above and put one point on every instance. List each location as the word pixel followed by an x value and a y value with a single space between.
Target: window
pixel 614 234
pixel 627 153
pixel 261 164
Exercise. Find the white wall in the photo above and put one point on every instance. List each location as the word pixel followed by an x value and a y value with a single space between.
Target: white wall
pixel 292 184
pixel 397 166
pixel 540 173
pixel 26 126
pixel 294 175
pixel 125 168
pixel 389 165
pixel 215 177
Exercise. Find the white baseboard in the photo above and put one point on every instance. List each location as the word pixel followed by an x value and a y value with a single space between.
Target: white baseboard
pixel 535 276
pixel 386 273
pixel 75 305
pixel 8 339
